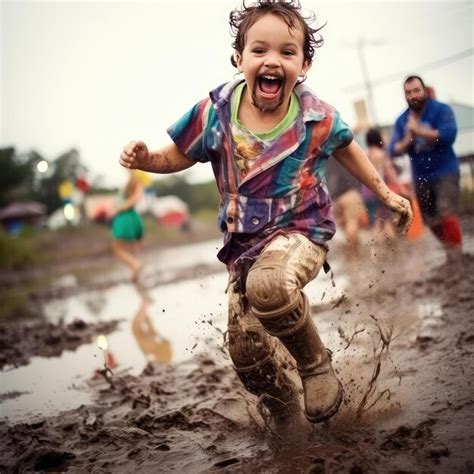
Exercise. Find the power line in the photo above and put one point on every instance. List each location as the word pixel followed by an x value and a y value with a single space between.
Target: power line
pixel 396 76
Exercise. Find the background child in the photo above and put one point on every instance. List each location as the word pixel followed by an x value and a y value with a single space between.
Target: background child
pixel 268 137
pixel 127 225
pixel 378 215
pixel 348 205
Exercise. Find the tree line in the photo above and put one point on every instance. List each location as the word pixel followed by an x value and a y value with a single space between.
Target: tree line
pixel 20 180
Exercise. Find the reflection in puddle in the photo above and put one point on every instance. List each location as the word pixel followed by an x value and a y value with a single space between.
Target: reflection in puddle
pixel 431 314
pixel 51 384
pixel 166 324
pixel 430 310
pixel 155 347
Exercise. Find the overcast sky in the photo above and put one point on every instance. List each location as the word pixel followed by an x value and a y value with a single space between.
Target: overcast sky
pixel 94 75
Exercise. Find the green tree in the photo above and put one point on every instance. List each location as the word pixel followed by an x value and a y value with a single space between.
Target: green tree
pixel 67 167
pixel 15 173
pixel 19 179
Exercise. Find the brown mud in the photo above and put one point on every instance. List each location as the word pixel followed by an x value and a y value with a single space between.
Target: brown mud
pixel 402 341
pixel 21 341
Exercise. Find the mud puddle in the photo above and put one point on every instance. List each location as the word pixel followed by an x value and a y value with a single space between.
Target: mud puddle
pixel 402 346
pixel 159 322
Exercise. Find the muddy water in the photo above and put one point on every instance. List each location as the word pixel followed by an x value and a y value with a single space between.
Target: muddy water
pixel 400 325
pixel 158 322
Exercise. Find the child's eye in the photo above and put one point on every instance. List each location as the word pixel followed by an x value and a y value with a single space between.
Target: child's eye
pixel 258 50
pixel 288 52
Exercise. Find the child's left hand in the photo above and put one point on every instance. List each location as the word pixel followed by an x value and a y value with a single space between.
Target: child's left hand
pixel 403 212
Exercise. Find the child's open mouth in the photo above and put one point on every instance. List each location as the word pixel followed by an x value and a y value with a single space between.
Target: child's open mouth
pixel 269 85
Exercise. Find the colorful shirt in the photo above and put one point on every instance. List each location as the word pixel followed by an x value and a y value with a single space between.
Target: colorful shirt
pixel 284 191
pixel 249 145
pixel 430 160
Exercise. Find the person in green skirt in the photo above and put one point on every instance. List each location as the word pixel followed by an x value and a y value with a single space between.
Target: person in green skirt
pixel 127 225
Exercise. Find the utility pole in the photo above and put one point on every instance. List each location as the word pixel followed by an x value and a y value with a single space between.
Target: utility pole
pixel 361 43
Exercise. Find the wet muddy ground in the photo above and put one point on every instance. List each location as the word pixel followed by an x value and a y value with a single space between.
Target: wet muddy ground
pixel 401 331
pixel 20 342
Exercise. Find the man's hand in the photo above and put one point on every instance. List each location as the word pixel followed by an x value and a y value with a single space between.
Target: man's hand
pixel 403 212
pixel 412 124
pixel 135 155
pixel 405 143
pixel 415 127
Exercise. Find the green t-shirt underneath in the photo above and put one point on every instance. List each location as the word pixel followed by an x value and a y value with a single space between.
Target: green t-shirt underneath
pixel 288 119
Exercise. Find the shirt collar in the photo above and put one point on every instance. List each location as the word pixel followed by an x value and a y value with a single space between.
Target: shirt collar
pixel 311 107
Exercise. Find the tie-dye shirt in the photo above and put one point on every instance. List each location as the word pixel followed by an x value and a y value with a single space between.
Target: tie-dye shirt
pixel 284 191
pixel 249 145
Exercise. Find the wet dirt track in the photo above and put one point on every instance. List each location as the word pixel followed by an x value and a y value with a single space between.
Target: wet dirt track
pixel 402 338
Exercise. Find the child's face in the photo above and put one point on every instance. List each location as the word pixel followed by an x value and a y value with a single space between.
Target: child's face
pixel 271 61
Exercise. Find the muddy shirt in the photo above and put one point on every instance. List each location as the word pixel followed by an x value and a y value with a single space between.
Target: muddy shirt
pixel 284 190
pixel 249 145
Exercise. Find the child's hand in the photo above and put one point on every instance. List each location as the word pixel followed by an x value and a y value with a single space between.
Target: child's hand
pixel 135 155
pixel 403 212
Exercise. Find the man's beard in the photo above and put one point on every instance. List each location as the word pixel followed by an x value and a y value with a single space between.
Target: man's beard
pixel 265 105
pixel 417 105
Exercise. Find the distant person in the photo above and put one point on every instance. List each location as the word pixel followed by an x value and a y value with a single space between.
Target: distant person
pixel 379 218
pixel 426 131
pixel 127 225
pixel 268 137
pixel 348 205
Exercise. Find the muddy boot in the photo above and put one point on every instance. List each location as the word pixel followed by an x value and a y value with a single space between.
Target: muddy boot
pixel 260 372
pixel 322 390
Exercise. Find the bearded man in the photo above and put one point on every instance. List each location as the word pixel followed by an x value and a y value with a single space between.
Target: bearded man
pixel 426 131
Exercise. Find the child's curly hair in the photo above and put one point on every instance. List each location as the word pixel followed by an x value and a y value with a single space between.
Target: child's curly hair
pixel 241 20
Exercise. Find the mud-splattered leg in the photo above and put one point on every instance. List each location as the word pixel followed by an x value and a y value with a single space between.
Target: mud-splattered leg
pixel 274 290
pixel 255 358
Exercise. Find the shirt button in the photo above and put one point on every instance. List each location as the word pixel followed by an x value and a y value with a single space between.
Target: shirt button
pixel 255 221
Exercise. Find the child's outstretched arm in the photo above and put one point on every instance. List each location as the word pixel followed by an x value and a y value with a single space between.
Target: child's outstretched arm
pixel 168 159
pixel 355 160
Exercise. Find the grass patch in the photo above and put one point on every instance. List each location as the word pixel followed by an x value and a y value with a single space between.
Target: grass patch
pixel 17 251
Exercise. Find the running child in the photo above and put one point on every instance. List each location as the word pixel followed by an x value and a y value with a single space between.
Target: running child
pixel 267 137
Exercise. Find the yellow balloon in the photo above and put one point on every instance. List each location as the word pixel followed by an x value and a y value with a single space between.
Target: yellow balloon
pixel 65 189
pixel 144 178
